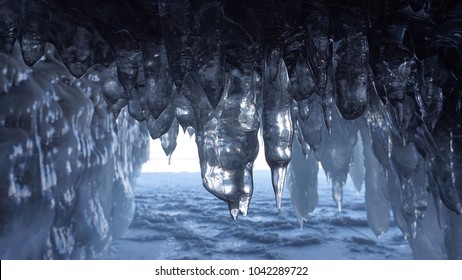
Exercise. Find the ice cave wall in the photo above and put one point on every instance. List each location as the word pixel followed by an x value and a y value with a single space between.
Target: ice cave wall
pixel 370 89
pixel 68 165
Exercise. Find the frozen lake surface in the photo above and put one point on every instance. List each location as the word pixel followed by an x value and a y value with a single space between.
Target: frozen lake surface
pixel 176 218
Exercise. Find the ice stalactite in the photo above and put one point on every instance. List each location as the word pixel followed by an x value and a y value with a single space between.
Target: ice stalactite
pixel 160 126
pixel 278 131
pixel 112 90
pixel 375 181
pixel 158 84
pixel 311 121
pixel 177 43
pixel 351 53
pixel 227 140
pixel 184 112
pixel 302 180
pixel 9 29
pixel 128 61
pixel 168 140
pixel 336 153
pixel 357 166
pixel 409 167
pixel 318 45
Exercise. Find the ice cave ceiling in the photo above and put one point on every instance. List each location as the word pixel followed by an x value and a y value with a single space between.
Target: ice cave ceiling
pixel 367 88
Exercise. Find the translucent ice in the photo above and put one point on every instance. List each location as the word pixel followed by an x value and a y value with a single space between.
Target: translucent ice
pixel 227 141
pixel 302 181
pixel 377 205
pixel 336 153
pixel 277 121
pixel 357 166
pixel 168 140
pixel 69 185
pixel 158 84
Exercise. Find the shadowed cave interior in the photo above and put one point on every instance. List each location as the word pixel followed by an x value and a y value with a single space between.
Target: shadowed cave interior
pixel 368 89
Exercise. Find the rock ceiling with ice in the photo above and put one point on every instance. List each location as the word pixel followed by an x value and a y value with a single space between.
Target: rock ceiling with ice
pixel 367 88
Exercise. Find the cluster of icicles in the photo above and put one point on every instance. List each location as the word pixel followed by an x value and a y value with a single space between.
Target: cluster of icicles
pixel 210 74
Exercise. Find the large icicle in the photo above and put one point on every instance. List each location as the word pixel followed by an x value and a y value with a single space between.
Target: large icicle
pixel 277 121
pixel 377 205
pixel 227 140
pixel 351 54
pixel 177 16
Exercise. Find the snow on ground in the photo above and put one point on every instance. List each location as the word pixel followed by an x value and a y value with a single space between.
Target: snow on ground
pixel 176 218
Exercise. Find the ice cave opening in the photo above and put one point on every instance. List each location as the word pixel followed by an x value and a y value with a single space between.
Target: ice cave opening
pixel 369 90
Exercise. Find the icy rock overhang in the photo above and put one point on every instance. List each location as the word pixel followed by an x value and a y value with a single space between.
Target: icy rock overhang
pixel 367 88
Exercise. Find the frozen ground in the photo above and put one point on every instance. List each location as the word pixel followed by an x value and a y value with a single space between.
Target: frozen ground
pixel 177 219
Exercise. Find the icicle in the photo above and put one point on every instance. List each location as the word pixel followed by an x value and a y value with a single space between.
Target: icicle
pixel 160 126
pixel 377 205
pixel 351 56
pixel 409 167
pixel 135 106
pixel 158 84
pixel 184 112
pixel 209 53
pixel 34 30
pixel 168 140
pixel 336 153
pixel 112 89
pixel 430 95
pixel 318 46
pixel 327 101
pixel 305 85
pixel 177 15
pixel 300 74
pixel 394 192
pixel 357 166
pixel 244 201
pixel 77 56
pixel 277 121
pixel 311 121
pixel 227 140
pixel 128 58
pixel 443 168
pixel 9 22
pixel 190 131
pixel 302 180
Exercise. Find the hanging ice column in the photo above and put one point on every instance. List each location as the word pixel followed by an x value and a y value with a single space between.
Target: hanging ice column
pixel 227 140
pixel 226 117
pixel 277 120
